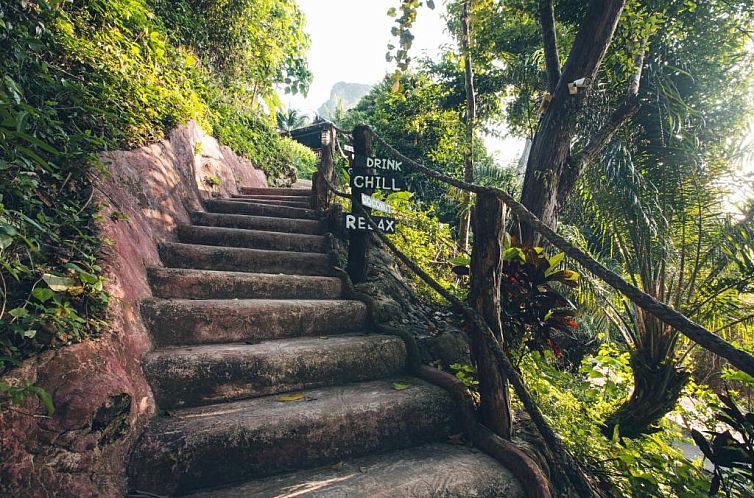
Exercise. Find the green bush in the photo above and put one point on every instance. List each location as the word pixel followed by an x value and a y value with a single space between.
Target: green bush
pixel 577 405
pixel 254 137
pixel 82 76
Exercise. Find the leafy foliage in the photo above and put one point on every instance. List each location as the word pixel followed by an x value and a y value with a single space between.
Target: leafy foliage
pixel 732 456
pixel 533 311
pixel 79 77
pixel 578 404
pixel 423 121
pixel 653 207
pixel 427 241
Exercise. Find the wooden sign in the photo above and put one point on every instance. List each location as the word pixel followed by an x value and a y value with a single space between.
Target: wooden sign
pixel 359 223
pixel 371 202
pixel 378 163
pixel 377 182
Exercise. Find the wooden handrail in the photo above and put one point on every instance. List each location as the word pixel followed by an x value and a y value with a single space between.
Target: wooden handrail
pixel 737 357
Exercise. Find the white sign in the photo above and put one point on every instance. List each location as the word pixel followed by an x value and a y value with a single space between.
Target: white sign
pixel 360 223
pixel 373 203
pixel 377 163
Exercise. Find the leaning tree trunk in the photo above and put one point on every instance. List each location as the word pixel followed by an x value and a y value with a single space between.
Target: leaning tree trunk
pixel 551 147
pixel 657 388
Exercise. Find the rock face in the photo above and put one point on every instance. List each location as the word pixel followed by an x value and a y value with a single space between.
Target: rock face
pixel 345 95
pixel 101 397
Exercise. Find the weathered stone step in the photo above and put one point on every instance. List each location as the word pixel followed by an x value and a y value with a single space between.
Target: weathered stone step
pixel 271 224
pixel 217 445
pixel 274 191
pixel 251 239
pixel 305 204
pixel 209 284
pixel 176 322
pixel 282 197
pixel 429 471
pixel 202 257
pixel 200 375
pixel 234 207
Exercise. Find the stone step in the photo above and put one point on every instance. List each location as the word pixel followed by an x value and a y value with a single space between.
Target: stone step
pixel 429 471
pixel 251 239
pixel 281 197
pixel 176 322
pixel 275 191
pixel 200 257
pixel 266 223
pixel 234 207
pixel 217 445
pixel 207 284
pixel 201 375
pixel 305 204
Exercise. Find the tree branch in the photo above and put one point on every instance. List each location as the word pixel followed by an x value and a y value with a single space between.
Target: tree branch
pixel 739 358
pixel 550 42
pixel 596 145
pixel 551 146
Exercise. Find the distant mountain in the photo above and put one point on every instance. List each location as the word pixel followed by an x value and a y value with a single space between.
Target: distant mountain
pixel 345 94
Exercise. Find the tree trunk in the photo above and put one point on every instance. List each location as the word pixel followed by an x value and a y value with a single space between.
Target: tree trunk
pixel 468 154
pixel 657 387
pixel 486 274
pixel 551 146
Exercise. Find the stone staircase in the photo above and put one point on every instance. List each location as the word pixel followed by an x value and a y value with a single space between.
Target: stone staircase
pixel 269 382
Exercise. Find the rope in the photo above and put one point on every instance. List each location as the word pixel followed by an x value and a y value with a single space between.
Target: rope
pixel 343 155
pixel 334 189
pixel 737 357
pixel 568 464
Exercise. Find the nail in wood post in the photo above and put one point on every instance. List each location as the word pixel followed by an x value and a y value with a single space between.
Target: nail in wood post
pixel 486 274
pixel 359 241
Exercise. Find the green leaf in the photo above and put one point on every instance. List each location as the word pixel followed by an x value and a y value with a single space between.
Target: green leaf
pixel 513 253
pixel 57 283
pixel 43 294
pixel 567 277
pixel 460 261
pixel 555 260
pixel 291 397
pixel 18 312
pixel 45 398
pixel 400 387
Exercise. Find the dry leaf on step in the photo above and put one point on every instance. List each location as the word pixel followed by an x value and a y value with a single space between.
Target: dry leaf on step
pixel 291 397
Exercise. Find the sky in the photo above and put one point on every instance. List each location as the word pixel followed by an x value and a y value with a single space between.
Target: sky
pixel 349 41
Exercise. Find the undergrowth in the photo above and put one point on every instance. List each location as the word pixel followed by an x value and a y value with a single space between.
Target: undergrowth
pixel 79 77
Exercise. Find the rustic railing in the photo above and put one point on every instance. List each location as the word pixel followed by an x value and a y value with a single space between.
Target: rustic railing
pixel 494 366
pixel 483 312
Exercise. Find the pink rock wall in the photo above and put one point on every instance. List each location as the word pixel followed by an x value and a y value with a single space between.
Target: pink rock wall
pixel 101 397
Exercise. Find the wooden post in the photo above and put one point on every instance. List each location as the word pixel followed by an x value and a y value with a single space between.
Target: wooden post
pixel 486 272
pixel 359 241
pixel 320 191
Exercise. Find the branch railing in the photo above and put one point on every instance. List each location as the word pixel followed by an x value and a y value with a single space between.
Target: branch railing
pixel 698 334
pixel 363 137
